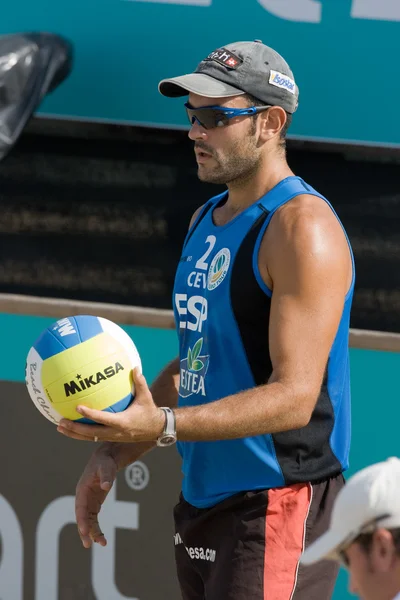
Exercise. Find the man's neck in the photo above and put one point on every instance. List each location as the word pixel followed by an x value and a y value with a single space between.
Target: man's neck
pixel 245 192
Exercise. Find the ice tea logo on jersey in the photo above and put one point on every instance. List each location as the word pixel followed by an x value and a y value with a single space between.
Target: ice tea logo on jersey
pixel 282 81
pixel 218 268
pixel 193 371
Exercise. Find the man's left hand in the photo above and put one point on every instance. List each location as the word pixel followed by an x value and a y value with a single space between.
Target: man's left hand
pixel 142 421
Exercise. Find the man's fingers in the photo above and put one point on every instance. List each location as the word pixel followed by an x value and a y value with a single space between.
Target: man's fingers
pixel 139 381
pixel 95 535
pixel 88 526
pixel 99 538
pixel 88 433
pixel 85 539
pixel 141 387
pixel 82 520
pixel 99 416
pixel 107 476
pixel 75 436
pixel 82 510
pixel 82 429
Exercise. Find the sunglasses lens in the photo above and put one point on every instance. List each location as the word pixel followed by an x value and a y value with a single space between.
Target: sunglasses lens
pixel 207 117
pixel 191 115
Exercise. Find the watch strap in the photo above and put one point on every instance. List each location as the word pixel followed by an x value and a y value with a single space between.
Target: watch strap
pixel 168 435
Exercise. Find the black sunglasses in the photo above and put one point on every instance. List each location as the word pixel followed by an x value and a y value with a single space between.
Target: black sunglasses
pixel 210 117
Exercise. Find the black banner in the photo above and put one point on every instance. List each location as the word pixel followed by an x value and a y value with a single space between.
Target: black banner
pixel 42 557
pixel 105 220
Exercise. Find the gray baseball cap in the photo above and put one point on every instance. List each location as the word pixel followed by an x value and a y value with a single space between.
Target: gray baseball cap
pixel 239 68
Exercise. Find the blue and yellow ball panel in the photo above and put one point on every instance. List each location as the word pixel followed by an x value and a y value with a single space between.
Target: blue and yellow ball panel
pixel 86 360
pixel 67 333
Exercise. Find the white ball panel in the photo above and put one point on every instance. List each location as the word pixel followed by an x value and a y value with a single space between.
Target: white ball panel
pixel 35 387
pixel 124 339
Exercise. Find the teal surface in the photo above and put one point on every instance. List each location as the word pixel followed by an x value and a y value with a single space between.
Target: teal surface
pixel 156 346
pixel 345 62
pixel 375 418
pixel 374 376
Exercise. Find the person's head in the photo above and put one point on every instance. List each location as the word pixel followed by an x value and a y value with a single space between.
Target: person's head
pixel 254 81
pixel 364 533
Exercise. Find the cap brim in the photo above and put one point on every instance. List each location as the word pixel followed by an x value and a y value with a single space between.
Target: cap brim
pixel 197 83
pixel 324 548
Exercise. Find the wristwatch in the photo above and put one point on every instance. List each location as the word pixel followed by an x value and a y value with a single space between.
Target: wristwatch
pixel 168 436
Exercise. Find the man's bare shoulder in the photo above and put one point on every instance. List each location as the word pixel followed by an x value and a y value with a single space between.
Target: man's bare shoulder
pixel 306 228
pixel 307 215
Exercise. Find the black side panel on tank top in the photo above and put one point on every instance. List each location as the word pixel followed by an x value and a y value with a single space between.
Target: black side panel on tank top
pixel 303 454
pixel 251 306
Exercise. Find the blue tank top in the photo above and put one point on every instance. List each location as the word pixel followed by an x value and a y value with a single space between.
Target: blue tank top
pixel 222 308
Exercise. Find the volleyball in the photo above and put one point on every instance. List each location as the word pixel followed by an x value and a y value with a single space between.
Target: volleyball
pixel 81 360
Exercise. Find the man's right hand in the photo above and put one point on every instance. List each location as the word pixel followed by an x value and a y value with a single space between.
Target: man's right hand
pixel 97 480
pixel 92 489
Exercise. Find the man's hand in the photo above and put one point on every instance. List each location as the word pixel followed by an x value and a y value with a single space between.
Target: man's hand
pixel 142 421
pixel 92 489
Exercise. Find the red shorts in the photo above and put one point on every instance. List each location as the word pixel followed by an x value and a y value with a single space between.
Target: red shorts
pixel 249 546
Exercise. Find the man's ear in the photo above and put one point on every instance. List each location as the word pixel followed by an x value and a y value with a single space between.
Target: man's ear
pixel 383 550
pixel 272 121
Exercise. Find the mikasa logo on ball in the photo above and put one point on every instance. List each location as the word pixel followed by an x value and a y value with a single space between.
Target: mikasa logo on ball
pixel 83 383
pixel 218 268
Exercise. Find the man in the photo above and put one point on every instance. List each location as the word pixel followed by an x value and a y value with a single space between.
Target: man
pixel 364 533
pixel 260 391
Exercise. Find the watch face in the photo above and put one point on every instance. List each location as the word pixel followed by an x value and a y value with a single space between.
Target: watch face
pixel 167 440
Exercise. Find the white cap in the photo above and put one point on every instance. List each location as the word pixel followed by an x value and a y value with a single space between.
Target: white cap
pixel 371 497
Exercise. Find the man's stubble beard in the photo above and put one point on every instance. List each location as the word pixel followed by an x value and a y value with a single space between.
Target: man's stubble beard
pixel 237 168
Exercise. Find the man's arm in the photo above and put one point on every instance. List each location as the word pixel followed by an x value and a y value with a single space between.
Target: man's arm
pixel 309 268
pixel 305 259
pixel 110 457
